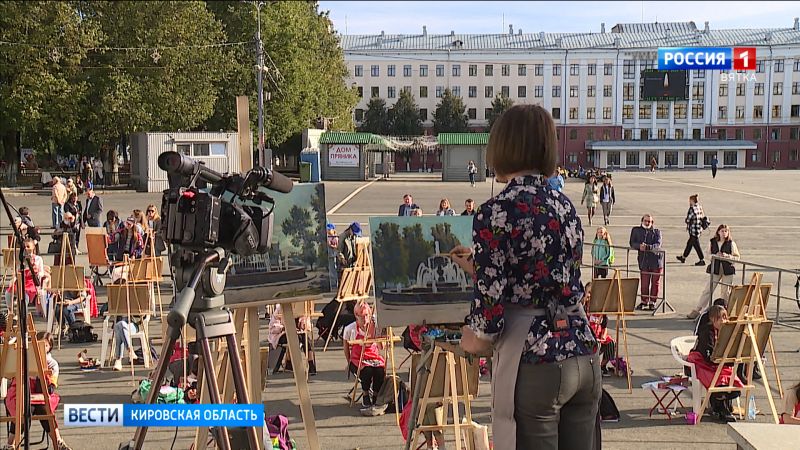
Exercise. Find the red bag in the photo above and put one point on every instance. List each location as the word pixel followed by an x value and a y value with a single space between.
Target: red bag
pixel 405 416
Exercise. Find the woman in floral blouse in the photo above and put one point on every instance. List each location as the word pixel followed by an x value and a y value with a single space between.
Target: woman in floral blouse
pixel 527 251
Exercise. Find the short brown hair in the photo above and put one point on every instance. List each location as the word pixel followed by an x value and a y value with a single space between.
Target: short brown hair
pixel 693 197
pixel 523 138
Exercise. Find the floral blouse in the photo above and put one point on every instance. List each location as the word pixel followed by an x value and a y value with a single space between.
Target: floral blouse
pixel 528 245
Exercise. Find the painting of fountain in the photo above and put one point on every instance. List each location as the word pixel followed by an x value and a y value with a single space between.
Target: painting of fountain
pixel 440 270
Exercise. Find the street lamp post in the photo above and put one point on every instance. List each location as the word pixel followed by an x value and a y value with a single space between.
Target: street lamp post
pixel 260 80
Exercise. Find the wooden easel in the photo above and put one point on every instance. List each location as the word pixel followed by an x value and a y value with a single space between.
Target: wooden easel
pixel 66 278
pixel 355 285
pixel 148 269
pixel 9 262
pixel 388 347
pixel 450 395
pixel 745 336
pixel 613 303
pixel 37 366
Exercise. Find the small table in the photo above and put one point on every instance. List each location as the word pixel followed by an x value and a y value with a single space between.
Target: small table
pixel 763 436
pixel 664 390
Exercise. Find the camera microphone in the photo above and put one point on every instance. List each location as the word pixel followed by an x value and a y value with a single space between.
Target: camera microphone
pixel 272 180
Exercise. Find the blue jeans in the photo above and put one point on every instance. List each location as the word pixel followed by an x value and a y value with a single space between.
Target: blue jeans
pixel 68 313
pixel 472 178
pixel 122 337
pixel 57 214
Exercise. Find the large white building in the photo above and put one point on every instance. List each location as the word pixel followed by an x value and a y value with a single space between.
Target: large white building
pixel 592 84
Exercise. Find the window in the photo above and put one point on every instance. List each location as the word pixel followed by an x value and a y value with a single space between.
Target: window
pixel 375 70
pixel 439 91
pixel 758 89
pixel 776 134
pixel 632 158
pixel 612 158
pixel 423 92
pixel 590 135
pixel 796 67
pixel 423 70
pixel 573 91
pixel 723 90
pixel 699 89
pixel 556 91
pixel 607 90
pixel 590 92
pixel 627 91
pixel 522 70
pixel 606 134
pixel 740 88
pixel 591 69
pixel 680 111
pixel 607 68
pixel 723 112
pixel 758 112
pixel 505 91
pixel 204 149
pixel 699 73
pixel 644 134
pixel 662 110
pixel 740 133
pixel 472 113
pixel 757 134
pixel 627 111
pixel 505 70
pixel 486 113
pixel 359 115
pixel 440 70
pixel 795 88
pixel 776 156
pixel 627 135
pixel 556 70
pixel 778 65
pixel 406 89
pixel 740 112
pixel 755 156
pixel 488 70
pixel 697 111
pixel 423 114
pixel 689 158
pixel 722 134
pixel 390 70
pixel 572 158
pixel 359 71
pixel 456 91
pixel 647 65
pixel 391 92
pixel 456 70
pixel 776 111
pixel 679 133
pixel 556 113
pixel 538 91
pixel 629 69
pixel 573 113
pixel 590 112
pixel 360 91
pixel 488 92
pixel 793 155
pixel 729 158
pixel 606 112
pixel 794 133
pixel 472 91
pixel 473 70
pixel 522 91
pixel 795 111
pixel 697 133
pixel 573 134
pixel 777 88
pixel 645 111
pixel 375 91
pixel 574 69
pixel 662 133
pixel 760 66
pixel 538 70
pixel 407 70
pixel 671 159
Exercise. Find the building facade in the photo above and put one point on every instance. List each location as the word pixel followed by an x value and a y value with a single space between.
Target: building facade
pixel 592 84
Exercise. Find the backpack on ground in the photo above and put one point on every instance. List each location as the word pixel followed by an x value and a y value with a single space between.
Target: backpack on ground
pixel 608 408
pixel 81 332
pixel 277 437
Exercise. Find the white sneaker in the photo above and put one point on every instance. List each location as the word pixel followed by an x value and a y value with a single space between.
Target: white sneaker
pixel 118 365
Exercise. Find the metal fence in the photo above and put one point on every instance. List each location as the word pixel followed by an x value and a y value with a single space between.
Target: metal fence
pixel 631 266
pixel 743 267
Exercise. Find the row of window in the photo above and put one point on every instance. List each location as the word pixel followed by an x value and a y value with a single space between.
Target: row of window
pixel 629 67
pixel 488 70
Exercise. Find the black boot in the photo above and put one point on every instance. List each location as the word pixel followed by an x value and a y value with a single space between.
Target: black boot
pixel 312 368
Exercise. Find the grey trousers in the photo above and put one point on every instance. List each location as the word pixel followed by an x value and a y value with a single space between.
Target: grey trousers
pixel 556 404
pixel 607 206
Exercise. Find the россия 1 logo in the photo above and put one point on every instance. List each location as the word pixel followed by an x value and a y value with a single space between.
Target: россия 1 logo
pixel 702 58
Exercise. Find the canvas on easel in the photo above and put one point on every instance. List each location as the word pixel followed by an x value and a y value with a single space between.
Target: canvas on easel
pixel 736 299
pixel 66 278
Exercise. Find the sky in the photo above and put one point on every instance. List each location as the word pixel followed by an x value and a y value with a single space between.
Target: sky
pixel 476 17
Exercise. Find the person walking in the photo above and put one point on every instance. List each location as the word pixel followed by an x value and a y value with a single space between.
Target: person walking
pixel 557 180
pixel 469 207
pixel 408 206
pixel 445 209
pixel 602 253
pixel 472 170
pixel 653 164
pixel 696 222
pixel 591 195
pixel 722 272
pixel 58 198
pixel 94 207
pixel 646 239
pixel 546 379
pixel 714 164
pixel 607 199
pixel 99 176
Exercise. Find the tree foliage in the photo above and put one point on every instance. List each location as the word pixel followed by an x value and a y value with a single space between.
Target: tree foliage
pixel 450 115
pixel 391 258
pixel 376 117
pixel 443 234
pixel 500 104
pixel 404 116
pixel 419 249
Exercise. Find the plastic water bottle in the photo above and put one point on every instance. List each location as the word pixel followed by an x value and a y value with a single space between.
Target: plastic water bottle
pixel 751 408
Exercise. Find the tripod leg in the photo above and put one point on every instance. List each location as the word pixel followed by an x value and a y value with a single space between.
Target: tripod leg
pixel 223 442
pixel 238 381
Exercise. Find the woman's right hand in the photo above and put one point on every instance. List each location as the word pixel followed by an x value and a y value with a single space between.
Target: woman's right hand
pixel 462 256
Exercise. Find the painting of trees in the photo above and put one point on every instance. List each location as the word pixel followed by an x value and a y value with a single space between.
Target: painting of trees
pixel 389 257
pixel 419 249
pixel 443 234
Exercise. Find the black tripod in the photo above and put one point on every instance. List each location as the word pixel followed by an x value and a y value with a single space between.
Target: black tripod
pixel 206 315
pixel 23 328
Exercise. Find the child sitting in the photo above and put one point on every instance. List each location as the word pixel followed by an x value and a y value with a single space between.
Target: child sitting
pixel 277 339
pixel 372 363
pixel 598 323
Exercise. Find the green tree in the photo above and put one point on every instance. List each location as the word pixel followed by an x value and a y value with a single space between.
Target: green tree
pixel 443 234
pixel 391 258
pixel 450 115
pixel 500 104
pixel 404 116
pixel 376 117
pixel 298 227
pixel 419 249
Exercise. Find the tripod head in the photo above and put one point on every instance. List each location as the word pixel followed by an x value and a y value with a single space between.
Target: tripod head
pixel 200 282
